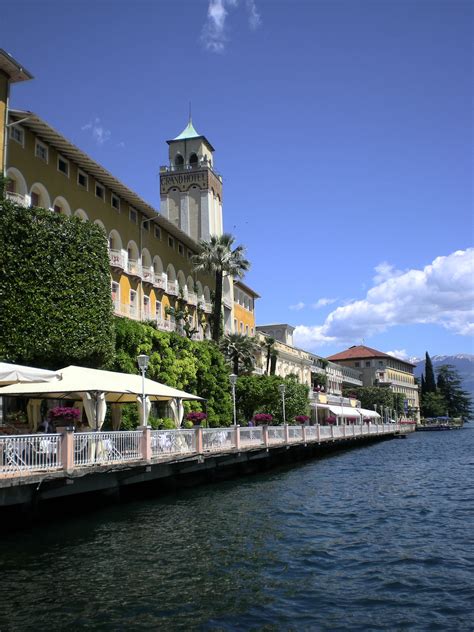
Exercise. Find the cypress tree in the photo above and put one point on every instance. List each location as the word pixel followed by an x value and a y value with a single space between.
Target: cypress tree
pixel 423 385
pixel 430 382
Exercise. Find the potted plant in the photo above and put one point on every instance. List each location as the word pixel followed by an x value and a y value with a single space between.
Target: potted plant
pixel 331 420
pixel 64 416
pixel 196 417
pixel 302 419
pixel 262 419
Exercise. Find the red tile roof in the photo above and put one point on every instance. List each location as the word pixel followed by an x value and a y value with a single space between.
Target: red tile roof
pixel 359 352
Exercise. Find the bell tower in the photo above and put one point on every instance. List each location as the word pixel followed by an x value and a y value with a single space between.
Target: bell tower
pixel 190 189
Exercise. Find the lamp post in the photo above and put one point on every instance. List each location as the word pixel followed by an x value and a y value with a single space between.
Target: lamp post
pixel 143 365
pixel 233 382
pixel 282 389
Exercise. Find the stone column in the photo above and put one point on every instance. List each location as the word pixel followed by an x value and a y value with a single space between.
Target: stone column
pixel 184 212
pixel 145 443
pixel 67 450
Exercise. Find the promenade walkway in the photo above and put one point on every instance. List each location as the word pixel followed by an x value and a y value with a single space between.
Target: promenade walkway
pixel 24 457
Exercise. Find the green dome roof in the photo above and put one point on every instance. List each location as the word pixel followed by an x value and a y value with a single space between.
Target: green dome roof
pixel 188 132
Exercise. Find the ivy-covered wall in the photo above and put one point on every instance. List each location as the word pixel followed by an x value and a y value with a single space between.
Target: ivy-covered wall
pixel 55 300
pixel 196 367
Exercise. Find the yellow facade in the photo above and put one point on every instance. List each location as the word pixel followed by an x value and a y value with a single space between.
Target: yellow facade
pixel 147 258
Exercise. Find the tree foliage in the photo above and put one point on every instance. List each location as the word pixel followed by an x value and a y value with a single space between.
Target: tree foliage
pixel 259 394
pixel 457 400
pixel 55 301
pixel 379 396
pixel 196 367
pixel 239 351
pixel 429 376
pixel 217 257
pixel 433 405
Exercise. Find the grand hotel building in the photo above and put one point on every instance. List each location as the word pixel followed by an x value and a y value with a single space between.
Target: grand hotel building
pixel 149 251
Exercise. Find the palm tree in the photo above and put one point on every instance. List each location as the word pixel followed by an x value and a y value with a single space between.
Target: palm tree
pixel 218 258
pixel 240 352
pixel 268 345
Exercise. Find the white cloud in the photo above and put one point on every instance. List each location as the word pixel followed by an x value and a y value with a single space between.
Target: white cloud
pixel 398 353
pixel 99 133
pixel 385 271
pixel 214 33
pixel 441 293
pixel 322 302
pixel 298 306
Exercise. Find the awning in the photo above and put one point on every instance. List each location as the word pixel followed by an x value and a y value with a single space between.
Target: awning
pixel 12 373
pixel 365 412
pixel 344 411
pixel 117 387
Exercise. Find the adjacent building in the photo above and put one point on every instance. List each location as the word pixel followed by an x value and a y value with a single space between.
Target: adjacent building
pixel 381 369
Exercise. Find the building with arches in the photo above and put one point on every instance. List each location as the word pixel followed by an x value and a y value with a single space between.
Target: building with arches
pixel 149 251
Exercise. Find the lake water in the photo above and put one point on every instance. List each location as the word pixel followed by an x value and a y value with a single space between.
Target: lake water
pixel 375 538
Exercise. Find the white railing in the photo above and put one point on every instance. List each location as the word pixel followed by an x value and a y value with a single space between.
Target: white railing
pixel 251 437
pixel 159 280
pixel 167 442
pixel 172 288
pixel 218 439
pixel 133 267
pixel 30 453
pixel 295 433
pixel 148 275
pixel 276 434
pixel 192 298
pixel 96 448
pixel 116 259
pixel 27 454
pixel 18 198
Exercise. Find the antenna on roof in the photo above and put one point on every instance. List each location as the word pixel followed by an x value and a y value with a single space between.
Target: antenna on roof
pixel 190 113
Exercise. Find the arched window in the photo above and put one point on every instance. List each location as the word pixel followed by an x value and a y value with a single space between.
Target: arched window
pixel 40 196
pixel 193 160
pixel 16 186
pixel 61 206
pixel 82 215
pixel 179 160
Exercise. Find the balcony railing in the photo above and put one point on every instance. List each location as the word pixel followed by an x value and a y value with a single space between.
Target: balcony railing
pixel 227 302
pixel 147 275
pixel 172 288
pixel 159 280
pixel 18 198
pixel 192 298
pixel 116 259
pixel 133 267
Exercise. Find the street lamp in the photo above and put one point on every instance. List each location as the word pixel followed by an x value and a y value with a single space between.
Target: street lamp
pixel 143 365
pixel 233 382
pixel 282 389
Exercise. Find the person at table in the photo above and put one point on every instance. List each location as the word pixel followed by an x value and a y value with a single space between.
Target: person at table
pixel 46 426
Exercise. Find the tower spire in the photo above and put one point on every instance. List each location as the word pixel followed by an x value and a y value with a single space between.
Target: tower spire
pixel 190 114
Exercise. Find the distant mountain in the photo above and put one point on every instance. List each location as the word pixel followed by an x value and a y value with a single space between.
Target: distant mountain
pixel 462 362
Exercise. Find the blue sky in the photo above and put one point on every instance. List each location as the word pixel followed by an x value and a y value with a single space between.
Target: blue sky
pixel 343 131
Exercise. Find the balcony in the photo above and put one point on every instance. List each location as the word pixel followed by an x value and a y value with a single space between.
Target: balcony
pixel 204 164
pixel 207 307
pixel 147 275
pixel 134 268
pixel 116 259
pixel 159 280
pixel 172 288
pixel 192 298
pixel 17 198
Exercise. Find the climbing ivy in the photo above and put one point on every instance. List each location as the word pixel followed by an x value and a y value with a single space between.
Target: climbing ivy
pixel 55 301
pixel 193 366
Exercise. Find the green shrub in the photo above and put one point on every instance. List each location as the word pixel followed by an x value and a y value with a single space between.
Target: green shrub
pixel 55 301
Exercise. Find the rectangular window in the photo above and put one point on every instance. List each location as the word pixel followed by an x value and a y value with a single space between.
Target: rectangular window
pixel 115 294
pixel 63 166
pixel 171 242
pixel 82 179
pixel 190 254
pixel 57 209
pixel 157 232
pixel 367 363
pixel 146 308
pixel 99 191
pixel 356 363
pixel 181 249
pixel 115 201
pixel 41 151
pixel 146 225
pixel 158 309
pixel 18 135
pixel 132 215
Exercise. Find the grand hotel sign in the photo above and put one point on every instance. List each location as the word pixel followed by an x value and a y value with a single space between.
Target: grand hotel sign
pixel 182 181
